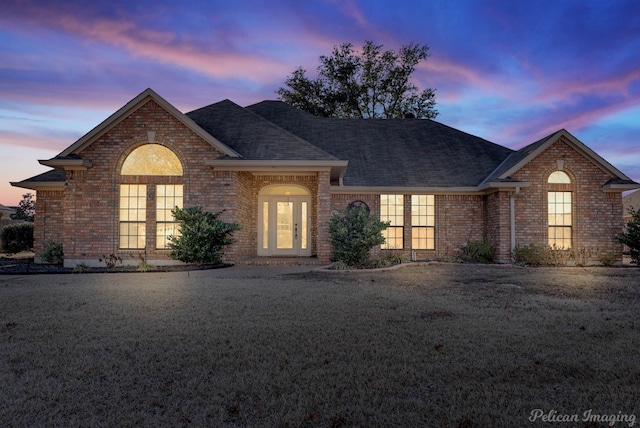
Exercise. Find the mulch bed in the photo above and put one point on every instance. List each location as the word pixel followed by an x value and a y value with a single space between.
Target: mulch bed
pixel 12 266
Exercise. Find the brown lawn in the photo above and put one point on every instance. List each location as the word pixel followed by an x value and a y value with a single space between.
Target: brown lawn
pixel 442 345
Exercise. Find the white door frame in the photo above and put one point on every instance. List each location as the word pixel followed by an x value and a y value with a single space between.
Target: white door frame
pixel 300 229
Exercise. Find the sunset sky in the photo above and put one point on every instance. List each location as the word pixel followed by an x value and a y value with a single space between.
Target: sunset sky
pixel 506 70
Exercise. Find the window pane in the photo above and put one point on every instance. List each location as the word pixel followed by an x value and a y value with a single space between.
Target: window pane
pixel 303 226
pixel 559 177
pixel 560 219
pixel 168 196
pixel 419 238
pixel 132 213
pixel 392 210
pixel 265 225
pixel 423 222
pixel 393 238
pixel 284 227
pixel 152 159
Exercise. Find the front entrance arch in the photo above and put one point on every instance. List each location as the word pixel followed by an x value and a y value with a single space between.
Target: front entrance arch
pixel 284 221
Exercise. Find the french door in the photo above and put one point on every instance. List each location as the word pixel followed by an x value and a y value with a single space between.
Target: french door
pixel 283 225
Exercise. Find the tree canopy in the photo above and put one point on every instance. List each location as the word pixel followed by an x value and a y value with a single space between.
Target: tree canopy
pixel 26 209
pixel 630 236
pixel 369 84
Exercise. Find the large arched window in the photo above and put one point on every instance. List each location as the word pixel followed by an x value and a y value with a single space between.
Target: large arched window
pixel 149 160
pixel 559 212
pixel 559 177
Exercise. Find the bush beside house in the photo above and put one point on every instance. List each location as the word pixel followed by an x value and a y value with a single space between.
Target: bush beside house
pixel 17 237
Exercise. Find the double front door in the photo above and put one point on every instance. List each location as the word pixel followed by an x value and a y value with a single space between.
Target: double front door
pixel 284 225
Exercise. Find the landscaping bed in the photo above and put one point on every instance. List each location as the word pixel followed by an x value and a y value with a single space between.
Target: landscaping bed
pixel 25 265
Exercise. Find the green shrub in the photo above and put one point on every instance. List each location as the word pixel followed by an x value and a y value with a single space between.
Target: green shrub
pixel 17 237
pixel 52 252
pixel 477 252
pixel 353 233
pixel 202 236
pixel 630 236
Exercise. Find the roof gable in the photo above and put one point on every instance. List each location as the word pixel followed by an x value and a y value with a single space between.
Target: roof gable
pixel 130 108
pixel 519 159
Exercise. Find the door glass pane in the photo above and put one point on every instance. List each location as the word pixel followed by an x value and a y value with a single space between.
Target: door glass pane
pixel 284 228
pixel 265 225
pixel 303 226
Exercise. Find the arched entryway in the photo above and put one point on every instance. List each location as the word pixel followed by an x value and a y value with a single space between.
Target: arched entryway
pixel 284 217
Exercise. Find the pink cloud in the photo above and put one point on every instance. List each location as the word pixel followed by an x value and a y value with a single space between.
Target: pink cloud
pixel 18 140
pixel 568 89
pixel 162 46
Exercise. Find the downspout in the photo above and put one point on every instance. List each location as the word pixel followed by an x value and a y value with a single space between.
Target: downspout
pixel 512 218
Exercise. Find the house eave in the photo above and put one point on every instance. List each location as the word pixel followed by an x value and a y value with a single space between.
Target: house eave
pixel 38 185
pixel 67 164
pixel 336 167
pixel 431 190
pixel 620 187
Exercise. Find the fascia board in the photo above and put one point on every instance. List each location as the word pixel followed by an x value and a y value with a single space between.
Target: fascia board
pixel 67 164
pixel 463 190
pixel 620 187
pixel 38 185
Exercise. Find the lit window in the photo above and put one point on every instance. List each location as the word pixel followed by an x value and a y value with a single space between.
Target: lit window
pixel 423 216
pixel 392 210
pixel 559 177
pixel 152 159
pixel 133 206
pixel 560 220
pixel 168 196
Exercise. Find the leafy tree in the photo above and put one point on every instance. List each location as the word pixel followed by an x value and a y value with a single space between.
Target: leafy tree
pixel 368 84
pixel 17 237
pixel 26 209
pixel 353 233
pixel 202 236
pixel 630 236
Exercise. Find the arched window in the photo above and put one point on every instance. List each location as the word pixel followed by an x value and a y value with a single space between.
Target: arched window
pixel 559 177
pixel 152 159
pixel 149 160
pixel 560 212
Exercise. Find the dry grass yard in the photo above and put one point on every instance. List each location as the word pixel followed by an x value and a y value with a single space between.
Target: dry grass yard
pixel 440 345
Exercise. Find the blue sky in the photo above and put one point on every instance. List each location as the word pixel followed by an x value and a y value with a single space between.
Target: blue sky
pixel 508 71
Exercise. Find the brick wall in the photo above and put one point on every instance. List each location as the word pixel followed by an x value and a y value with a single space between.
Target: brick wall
pixel 498 224
pixel 90 203
pixel 48 221
pixel 458 220
pixel 596 214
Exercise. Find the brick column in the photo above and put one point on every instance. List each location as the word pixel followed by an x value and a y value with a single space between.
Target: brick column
pixel 323 209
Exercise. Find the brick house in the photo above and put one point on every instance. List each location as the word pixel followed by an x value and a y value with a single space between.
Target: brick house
pixel 632 200
pixel 281 173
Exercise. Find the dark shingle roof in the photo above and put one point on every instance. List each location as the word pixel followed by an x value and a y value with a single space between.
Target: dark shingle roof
pixel 252 136
pixel 516 157
pixel 393 152
pixel 55 175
